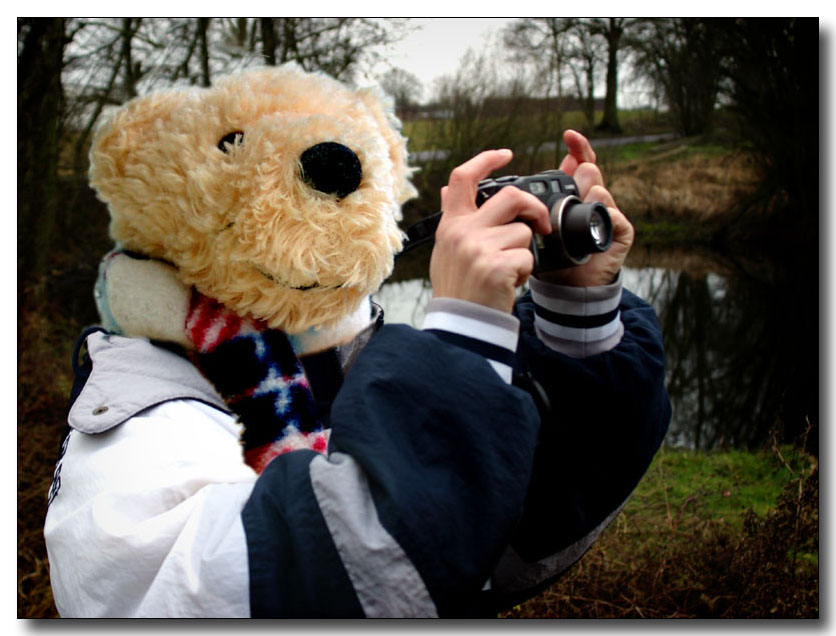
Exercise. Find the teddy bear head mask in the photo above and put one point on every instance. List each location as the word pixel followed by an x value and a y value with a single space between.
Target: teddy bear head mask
pixel 275 192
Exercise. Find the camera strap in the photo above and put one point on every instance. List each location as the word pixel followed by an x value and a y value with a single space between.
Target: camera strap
pixel 421 232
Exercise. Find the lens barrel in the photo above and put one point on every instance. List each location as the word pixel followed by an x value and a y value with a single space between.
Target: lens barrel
pixel 585 228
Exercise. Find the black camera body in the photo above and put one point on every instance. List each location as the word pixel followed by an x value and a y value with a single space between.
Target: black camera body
pixel 578 229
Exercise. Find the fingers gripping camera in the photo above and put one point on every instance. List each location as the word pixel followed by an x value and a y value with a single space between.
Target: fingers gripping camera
pixel 578 229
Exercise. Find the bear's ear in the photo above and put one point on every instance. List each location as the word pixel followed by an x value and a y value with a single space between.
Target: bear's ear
pixel 381 107
pixel 127 161
pixel 133 125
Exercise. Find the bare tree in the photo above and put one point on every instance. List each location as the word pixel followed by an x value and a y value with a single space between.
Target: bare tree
pixel 111 60
pixel 202 28
pixel 543 42
pixel 404 87
pixel 40 101
pixel 268 40
pixel 772 84
pixel 584 57
pixel 133 70
pixel 333 45
pixel 682 58
pixel 612 30
pixel 479 109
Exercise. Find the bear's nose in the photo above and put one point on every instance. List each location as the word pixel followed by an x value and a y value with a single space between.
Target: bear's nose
pixel 332 168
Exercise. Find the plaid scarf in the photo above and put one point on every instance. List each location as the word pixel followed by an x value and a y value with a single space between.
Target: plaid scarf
pixel 258 374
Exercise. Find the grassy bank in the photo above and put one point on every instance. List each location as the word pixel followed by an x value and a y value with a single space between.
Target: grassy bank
pixel 45 343
pixel 679 191
pixel 726 534
pixel 674 192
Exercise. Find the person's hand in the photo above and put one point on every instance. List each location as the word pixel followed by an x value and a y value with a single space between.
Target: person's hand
pixel 482 254
pixel 600 269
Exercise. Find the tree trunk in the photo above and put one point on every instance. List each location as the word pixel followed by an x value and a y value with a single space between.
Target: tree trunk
pixel 609 121
pixel 80 147
pixel 39 114
pixel 268 41
pixel 129 29
pixel 589 105
pixel 202 27
pixel 290 46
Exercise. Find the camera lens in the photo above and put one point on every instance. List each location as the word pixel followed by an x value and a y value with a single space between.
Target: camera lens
pixel 597 228
pixel 585 228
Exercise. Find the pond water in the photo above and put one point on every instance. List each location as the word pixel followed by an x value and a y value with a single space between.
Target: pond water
pixel 740 334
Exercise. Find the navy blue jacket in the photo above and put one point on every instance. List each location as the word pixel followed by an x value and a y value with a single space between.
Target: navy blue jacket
pixel 591 425
pixel 446 491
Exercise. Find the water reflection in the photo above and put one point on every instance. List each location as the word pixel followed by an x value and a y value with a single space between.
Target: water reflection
pixel 405 301
pixel 719 374
pixel 741 344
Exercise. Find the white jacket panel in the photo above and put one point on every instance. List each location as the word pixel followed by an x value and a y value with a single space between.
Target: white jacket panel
pixel 170 543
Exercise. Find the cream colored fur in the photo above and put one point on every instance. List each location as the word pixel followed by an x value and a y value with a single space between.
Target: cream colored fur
pixel 243 227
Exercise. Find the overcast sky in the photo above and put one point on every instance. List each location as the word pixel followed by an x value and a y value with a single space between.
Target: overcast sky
pixel 437 47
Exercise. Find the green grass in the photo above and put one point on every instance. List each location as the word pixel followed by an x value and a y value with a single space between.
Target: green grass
pixel 667 231
pixel 626 152
pixel 713 485
pixel 723 534
pixel 682 149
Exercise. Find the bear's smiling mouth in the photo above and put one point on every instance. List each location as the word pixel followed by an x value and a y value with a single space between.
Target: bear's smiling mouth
pixel 272 278
pixel 296 287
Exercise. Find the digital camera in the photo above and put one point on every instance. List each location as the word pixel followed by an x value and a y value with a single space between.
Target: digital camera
pixel 578 229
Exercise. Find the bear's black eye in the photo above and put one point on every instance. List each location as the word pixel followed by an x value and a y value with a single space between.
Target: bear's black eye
pixel 230 139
